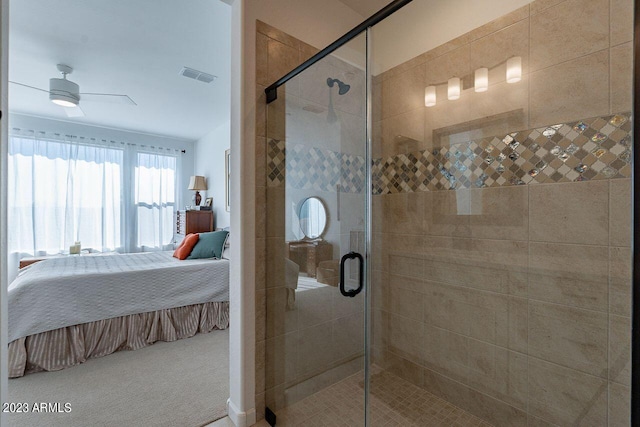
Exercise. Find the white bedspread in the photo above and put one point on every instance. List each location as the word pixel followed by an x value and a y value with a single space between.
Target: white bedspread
pixel 66 291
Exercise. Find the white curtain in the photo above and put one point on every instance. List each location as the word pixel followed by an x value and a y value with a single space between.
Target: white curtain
pixel 107 195
pixel 155 198
pixel 62 190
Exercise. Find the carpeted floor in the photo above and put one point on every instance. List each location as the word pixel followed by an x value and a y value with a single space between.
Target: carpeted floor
pixel 180 383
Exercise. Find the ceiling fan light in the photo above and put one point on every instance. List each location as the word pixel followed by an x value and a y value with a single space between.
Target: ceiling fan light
pixel 64 92
pixel 62 102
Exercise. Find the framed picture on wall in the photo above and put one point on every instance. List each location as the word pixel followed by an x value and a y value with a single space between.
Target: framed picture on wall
pixel 227 171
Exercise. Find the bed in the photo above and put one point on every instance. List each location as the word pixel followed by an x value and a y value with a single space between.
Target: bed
pixel 63 311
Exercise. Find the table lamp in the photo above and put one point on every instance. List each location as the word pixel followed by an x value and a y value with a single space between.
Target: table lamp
pixel 198 183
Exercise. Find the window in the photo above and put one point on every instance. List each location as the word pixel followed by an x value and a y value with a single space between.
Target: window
pixel 62 191
pixel 155 199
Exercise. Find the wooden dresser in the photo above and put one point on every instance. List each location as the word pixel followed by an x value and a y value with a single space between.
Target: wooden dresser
pixel 193 222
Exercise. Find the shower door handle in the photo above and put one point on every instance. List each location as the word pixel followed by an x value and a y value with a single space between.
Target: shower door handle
pixel 352 292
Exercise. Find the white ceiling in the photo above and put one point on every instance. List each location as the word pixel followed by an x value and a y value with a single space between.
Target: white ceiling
pixel 126 47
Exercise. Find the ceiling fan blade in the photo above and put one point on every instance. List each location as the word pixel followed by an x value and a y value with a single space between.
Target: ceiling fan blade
pixel 30 87
pixel 74 111
pixel 107 97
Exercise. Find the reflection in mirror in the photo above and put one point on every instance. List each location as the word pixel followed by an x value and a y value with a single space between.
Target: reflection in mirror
pixel 313 218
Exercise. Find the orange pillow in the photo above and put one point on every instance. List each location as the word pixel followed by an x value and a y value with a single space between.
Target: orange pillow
pixel 184 249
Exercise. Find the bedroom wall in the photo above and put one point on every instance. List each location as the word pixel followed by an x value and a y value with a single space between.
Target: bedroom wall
pixel 209 162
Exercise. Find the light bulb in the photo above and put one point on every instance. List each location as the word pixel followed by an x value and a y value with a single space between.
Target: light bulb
pixel 454 88
pixel 429 96
pixel 514 69
pixel 481 83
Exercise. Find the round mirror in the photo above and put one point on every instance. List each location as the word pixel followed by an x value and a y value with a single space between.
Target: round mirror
pixel 313 218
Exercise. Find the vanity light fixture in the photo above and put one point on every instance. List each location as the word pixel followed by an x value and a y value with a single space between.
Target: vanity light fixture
pixel 429 96
pixel 514 69
pixel 481 82
pixel 454 88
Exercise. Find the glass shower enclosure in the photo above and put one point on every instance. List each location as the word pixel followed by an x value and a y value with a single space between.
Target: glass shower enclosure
pixel 449 220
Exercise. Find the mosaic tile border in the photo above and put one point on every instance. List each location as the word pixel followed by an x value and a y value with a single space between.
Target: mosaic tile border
pixel 589 149
pixel 311 168
pixel 595 148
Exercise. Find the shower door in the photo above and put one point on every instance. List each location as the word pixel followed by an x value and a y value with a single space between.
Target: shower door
pixel 316 272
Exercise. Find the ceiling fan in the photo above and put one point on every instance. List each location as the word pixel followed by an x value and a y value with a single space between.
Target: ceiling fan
pixel 66 93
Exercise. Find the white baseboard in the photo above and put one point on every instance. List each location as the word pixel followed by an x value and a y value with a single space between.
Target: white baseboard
pixel 240 418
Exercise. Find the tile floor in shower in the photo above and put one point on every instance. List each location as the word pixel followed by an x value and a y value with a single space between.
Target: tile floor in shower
pixel 394 402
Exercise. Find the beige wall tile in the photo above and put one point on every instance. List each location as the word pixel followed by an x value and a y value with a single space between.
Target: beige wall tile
pixel 447 213
pixel 403 133
pixel 274 33
pixel 403 265
pixel 275 204
pixel 406 337
pixel 262 60
pixel 570 213
pixel 620 283
pixel 315 349
pixel 403 368
pixel 621 21
pixel 261 112
pixel 486 407
pixel 403 213
pixel 314 306
pixel 621 78
pixel 619 405
pixel 446 352
pixel 275 262
pixel 620 222
pixel 570 91
pixel 497 47
pixel 406 302
pixel 487 316
pixel 538 6
pixel 282 59
pixel 347 336
pixel 261 264
pixel 498 372
pixel 403 92
pixel 497 24
pixel 566 397
pixel 569 274
pixel 279 319
pixel 620 349
pixel 490 265
pixel 260 366
pixel 276 116
pixel 568 30
pixel 261 314
pixel 261 213
pixel 568 336
pixel 500 213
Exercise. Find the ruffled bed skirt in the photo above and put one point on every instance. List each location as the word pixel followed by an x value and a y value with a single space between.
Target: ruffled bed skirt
pixel 65 347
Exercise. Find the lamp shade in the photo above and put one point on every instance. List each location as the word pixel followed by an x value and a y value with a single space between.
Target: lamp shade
pixel 454 88
pixel 429 96
pixel 514 69
pixel 197 183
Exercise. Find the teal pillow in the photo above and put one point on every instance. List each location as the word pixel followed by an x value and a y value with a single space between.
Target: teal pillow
pixel 210 245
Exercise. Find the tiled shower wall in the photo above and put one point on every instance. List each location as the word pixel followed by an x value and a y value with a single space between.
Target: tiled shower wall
pixel 503 283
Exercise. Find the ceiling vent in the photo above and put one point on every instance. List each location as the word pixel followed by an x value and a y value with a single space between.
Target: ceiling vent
pixel 197 75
